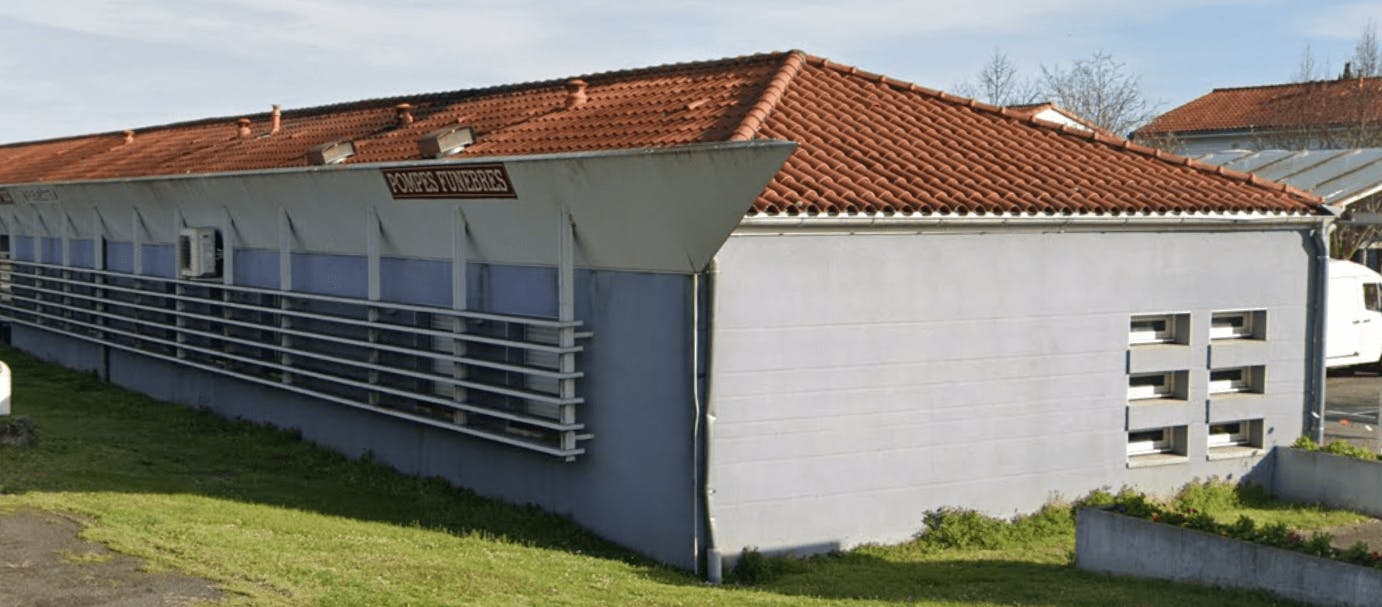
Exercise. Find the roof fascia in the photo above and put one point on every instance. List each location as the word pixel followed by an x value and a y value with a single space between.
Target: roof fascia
pixel 1253 220
pixel 370 166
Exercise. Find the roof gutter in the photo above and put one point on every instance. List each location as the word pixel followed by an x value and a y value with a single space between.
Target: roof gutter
pixel 770 223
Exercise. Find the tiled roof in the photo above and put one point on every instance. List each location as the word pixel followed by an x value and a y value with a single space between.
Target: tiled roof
pixel 1030 110
pixel 1280 106
pixel 867 144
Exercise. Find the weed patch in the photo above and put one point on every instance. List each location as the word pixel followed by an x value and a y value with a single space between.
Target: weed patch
pixel 1195 507
pixel 1337 447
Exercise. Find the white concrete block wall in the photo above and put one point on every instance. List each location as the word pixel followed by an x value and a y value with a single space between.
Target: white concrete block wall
pixel 862 379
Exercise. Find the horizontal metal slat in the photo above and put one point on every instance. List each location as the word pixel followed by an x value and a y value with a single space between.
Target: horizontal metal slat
pixel 568 453
pixel 525 320
pixel 450 404
pixel 470 337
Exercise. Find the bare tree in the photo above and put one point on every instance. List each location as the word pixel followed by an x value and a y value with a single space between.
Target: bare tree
pixel 1101 90
pixel 1346 240
pixel 1308 70
pixel 1367 59
pixel 998 83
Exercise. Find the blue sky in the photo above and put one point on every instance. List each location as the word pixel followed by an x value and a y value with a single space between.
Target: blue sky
pixel 80 66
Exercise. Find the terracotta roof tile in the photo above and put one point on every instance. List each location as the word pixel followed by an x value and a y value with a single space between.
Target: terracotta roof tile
pixel 1302 104
pixel 867 143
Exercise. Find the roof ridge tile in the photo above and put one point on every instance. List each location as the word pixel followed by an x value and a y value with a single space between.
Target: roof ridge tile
pixel 772 94
pixel 1292 84
pixel 390 101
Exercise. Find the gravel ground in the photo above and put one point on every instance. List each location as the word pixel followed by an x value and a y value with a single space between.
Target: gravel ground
pixel 1369 533
pixel 44 564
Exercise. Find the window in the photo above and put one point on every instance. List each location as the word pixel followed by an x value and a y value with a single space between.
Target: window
pixel 1372 296
pixel 1232 433
pixel 1156 446
pixel 1150 330
pixel 1167 384
pixel 1234 439
pixel 1229 381
pixel 1239 324
pixel 1157 329
pixel 1146 442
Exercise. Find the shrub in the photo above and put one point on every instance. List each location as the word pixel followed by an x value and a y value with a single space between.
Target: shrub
pixel 1357 553
pixel 754 568
pixel 1136 504
pixel 1275 534
pixel 1244 528
pixel 1202 521
pixel 959 528
pixel 955 528
pixel 1348 449
pixel 1337 447
pixel 1318 544
pixel 1209 496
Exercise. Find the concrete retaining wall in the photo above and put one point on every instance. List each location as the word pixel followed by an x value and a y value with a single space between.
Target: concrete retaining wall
pixel 1332 480
pixel 1113 543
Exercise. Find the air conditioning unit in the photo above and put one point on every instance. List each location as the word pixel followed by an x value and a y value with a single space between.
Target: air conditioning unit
pixel 199 253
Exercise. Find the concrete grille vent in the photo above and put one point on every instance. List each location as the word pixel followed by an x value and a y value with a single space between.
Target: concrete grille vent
pixel 445 142
pixel 331 153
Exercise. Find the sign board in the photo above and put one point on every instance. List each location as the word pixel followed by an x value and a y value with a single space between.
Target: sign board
pixel 456 181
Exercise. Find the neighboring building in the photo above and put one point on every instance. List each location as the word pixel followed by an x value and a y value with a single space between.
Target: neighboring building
pixel 1350 180
pixel 1055 114
pixel 587 299
pixel 1342 178
pixel 1345 113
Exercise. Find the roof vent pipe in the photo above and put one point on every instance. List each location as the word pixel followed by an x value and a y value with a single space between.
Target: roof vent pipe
pixel 244 129
pixel 405 114
pixel 277 117
pixel 575 93
pixel 129 137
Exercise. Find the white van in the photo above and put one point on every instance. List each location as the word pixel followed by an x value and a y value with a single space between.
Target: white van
pixel 1354 317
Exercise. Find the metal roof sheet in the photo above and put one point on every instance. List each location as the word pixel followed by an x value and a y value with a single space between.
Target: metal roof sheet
pixel 1339 176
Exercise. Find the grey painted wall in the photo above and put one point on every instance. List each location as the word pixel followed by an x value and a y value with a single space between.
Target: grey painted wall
pixel 862 379
pixel 635 483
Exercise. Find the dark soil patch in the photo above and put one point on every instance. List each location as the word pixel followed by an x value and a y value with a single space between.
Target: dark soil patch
pixel 44 564
pixel 1369 532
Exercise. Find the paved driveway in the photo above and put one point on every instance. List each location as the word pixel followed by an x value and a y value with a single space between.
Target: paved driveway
pixel 1352 404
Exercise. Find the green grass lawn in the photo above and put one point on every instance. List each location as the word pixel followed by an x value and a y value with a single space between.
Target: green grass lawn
pixel 275 521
